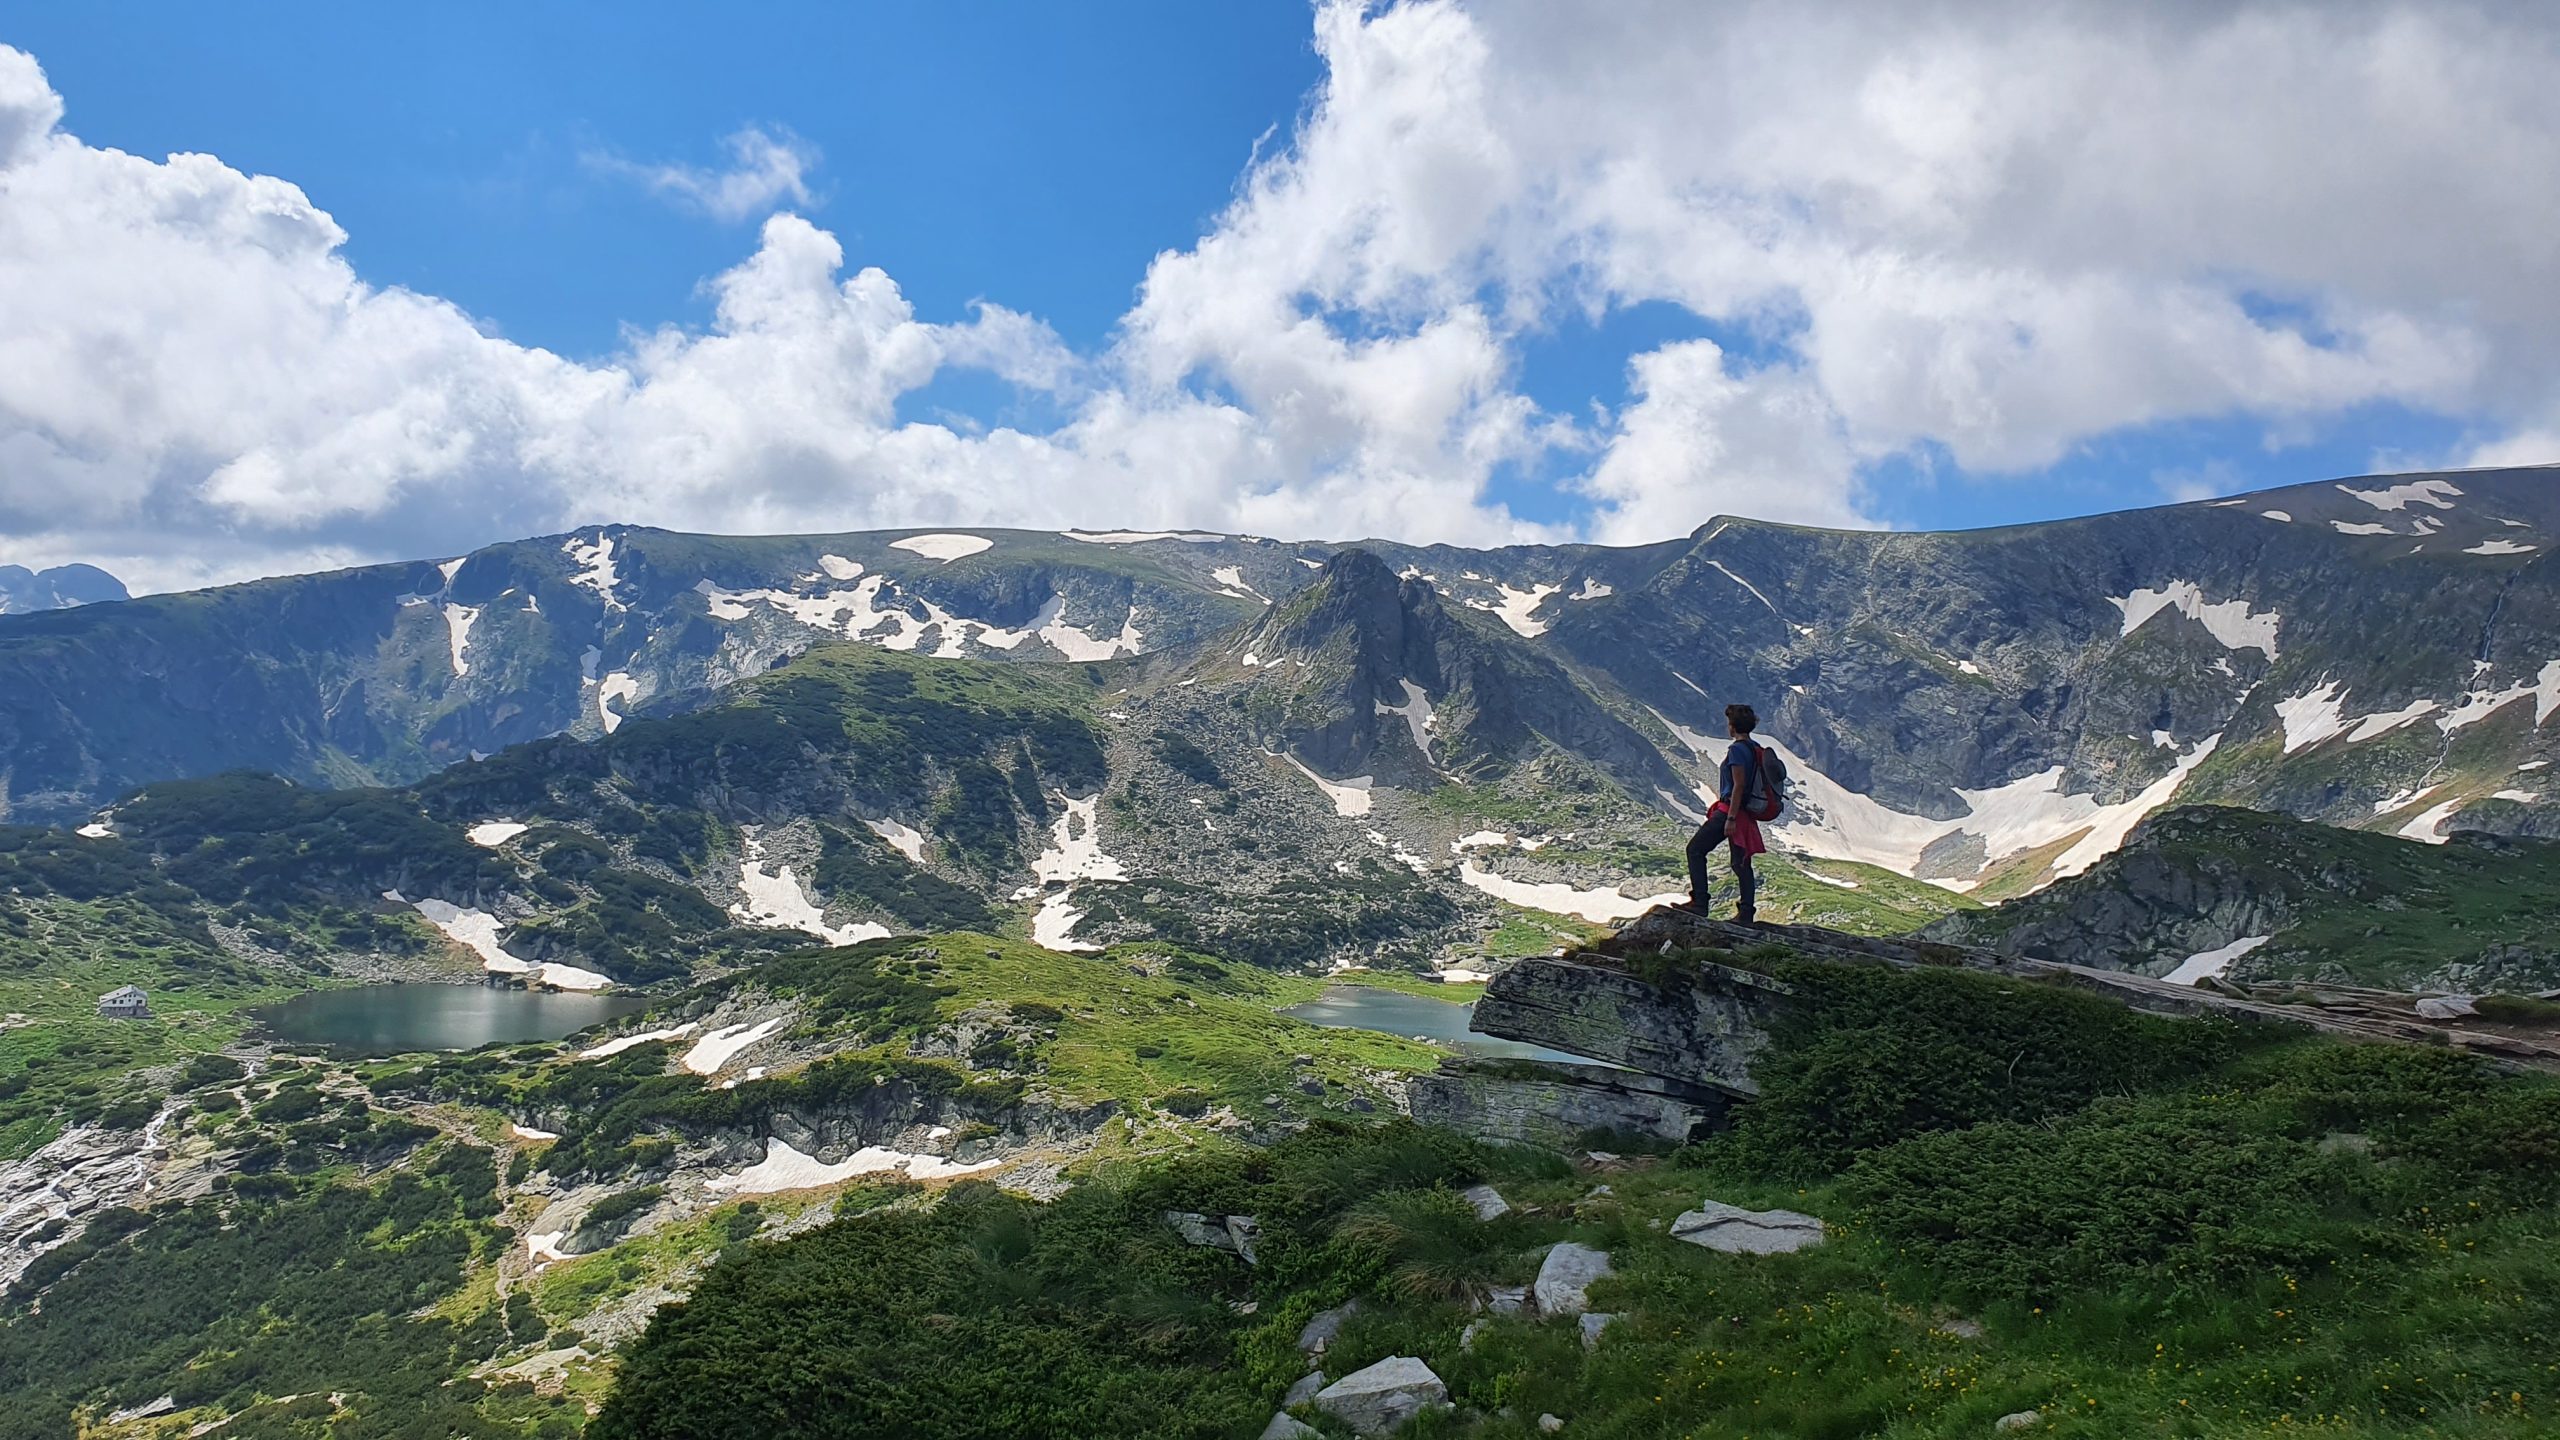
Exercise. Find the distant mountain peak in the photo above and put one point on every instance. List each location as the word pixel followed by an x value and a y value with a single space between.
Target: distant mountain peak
pixel 60 588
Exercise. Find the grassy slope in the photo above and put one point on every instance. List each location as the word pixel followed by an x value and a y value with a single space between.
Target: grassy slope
pixel 2145 1224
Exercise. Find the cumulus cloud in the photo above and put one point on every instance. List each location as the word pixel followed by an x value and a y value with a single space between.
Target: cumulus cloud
pixel 1988 231
pixel 766 169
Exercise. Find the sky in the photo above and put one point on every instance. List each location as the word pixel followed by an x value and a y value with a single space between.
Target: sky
pixel 292 286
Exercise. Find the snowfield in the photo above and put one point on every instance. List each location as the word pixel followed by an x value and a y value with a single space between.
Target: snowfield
pixel 784 1168
pixel 942 547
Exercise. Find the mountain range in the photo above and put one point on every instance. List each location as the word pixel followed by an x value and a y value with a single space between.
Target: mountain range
pixel 1985 710
pixel 58 588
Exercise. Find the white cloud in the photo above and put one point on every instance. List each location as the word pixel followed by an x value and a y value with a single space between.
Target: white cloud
pixel 1999 229
pixel 766 169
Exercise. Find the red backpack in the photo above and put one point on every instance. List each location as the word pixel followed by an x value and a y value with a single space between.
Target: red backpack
pixel 1768 778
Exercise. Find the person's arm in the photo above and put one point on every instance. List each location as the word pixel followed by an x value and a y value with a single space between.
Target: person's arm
pixel 1728 781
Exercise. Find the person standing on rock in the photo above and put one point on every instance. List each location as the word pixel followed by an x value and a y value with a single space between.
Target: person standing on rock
pixel 1746 794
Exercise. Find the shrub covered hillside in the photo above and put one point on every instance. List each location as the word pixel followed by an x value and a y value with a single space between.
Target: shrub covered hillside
pixel 2035 1201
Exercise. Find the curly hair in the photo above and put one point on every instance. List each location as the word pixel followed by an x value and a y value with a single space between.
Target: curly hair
pixel 1742 718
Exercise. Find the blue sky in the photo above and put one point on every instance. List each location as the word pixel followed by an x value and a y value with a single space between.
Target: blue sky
pixel 1256 227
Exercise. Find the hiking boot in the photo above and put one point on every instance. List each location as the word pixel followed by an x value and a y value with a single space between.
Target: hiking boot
pixel 1699 908
pixel 1746 917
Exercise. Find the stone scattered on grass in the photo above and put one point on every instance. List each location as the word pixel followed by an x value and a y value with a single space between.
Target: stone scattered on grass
pixel 1383 1397
pixel 2020 1420
pixel 1467 1336
pixel 1593 1322
pixel 1487 1201
pixel 1282 1427
pixel 1304 1390
pixel 1238 1235
pixel 1324 1325
pixel 2446 1007
pixel 1506 1299
pixel 1737 1231
pixel 1564 1278
pixel 1550 1424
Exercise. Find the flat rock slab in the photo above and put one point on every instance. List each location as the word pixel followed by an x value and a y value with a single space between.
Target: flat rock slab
pixel 1304 1390
pixel 1381 1398
pixel 1282 1427
pixel 1486 1201
pixel 1737 1231
pixel 1564 1278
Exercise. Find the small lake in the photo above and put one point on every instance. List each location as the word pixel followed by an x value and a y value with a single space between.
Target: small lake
pixel 393 1019
pixel 1365 1007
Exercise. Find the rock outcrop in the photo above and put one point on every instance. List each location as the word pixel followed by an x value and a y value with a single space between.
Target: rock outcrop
pixel 1737 1231
pixel 1557 1105
pixel 1382 1398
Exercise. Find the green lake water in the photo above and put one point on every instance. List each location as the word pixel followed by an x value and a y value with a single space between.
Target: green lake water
pixel 1365 1007
pixel 394 1019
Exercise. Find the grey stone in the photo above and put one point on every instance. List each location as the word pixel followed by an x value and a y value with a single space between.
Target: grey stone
pixel 1550 1424
pixel 2446 1007
pixel 1304 1390
pixel 1551 1104
pixel 1282 1427
pixel 1593 1322
pixel 1705 1033
pixel 1565 1276
pixel 1487 1201
pixel 1467 1336
pixel 2019 1420
pixel 1320 1328
pixel 1381 1398
pixel 1737 1231
pixel 2346 1142
pixel 1236 1234
pixel 1507 1299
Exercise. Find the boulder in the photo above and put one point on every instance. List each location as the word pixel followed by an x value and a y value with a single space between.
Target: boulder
pixel 1303 1391
pixel 1550 1424
pixel 2446 1007
pixel 1565 1276
pixel 1506 1299
pixel 1324 1325
pixel 1705 1029
pixel 1593 1322
pixel 1737 1231
pixel 1235 1234
pixel 1552 1104
pixel 1284 1428
pixel 1381 1398
pixel 2020 1420
pixel 1486 1201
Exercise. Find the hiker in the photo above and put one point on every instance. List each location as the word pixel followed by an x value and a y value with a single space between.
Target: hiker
pixel 1747 791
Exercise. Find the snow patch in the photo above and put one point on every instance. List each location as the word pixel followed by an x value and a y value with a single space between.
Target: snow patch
pixel 621 1043
pixel 527 1132
pixel 2277 515
pixel 2402 799
pixel 2312 716
pixel 545 1245
pixel 840 568
pixel 477 931
pixel 2212 963
pixel 1832 822
pixel 1597 906
pixel 2364 528
pixel 617 686
pixel 2429 826
pixel 2501 547
pixel 1053 925
pixel 494 833
pixel 1141 537
pixel 784 1168
pixel 2399 497
pixel 1745 584
pixel 1075 848
pixel 1591 590
pixel 717 1048
pixel 1968 667
pixel 1828 880
pixel 595 566
pixel 96 830
pixel 457 625
pixel 1230 580
pixel 943 547
pixel 2386 721
pixel 2479 705
pixel 1418 718
pixel 1350 797
pixel 1514 607
pixel 2230 621
pixel 776 902
pixel 2528 765
pixel 2521 797
pixel 905 839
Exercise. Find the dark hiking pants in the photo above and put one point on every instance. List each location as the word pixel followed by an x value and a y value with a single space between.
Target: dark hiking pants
pixel 1702 845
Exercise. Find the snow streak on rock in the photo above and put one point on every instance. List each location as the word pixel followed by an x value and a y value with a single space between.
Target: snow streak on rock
pixel 2212 963
pixel 2230 621
pixel 945 548
pixel 2438 493
pixel 784 1168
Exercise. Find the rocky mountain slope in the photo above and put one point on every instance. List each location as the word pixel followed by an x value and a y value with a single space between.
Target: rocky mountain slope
pixel 2201 892
pixel 1985 709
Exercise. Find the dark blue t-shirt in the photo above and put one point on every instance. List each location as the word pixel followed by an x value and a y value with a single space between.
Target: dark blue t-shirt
pixel 1742 779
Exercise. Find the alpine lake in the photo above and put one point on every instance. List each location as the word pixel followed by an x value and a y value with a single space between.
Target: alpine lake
pixel 1443 1022
pixel 395 1019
